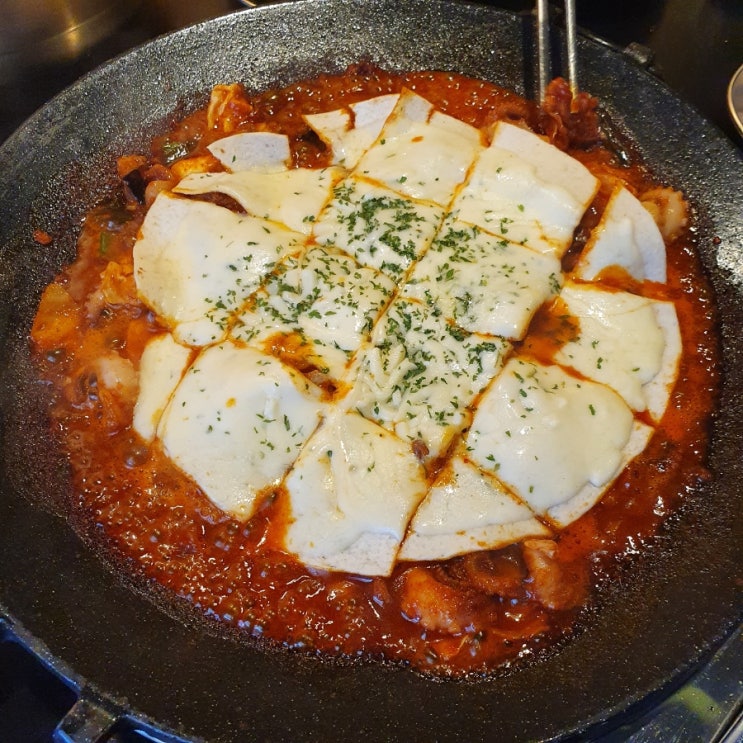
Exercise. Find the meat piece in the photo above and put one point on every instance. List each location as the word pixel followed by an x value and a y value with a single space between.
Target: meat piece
pixel 130 169
pixel 117 375
pixel 668 208
pixel 107 387
pixel 137 177
pixel 557 584
pixel 154 189
pixel 56 320
pixel 117 287
pixel 198 164
pixel 569 120
pixel 134 186
pixel 228 108
pixel 496 573
pixel 128 163
pixel 437 606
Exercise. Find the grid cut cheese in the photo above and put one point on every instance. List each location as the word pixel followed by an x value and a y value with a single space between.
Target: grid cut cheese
pixel 421 152
pixel 257 151
pixel 626 342
pixel 564 513
pixel 161 367
pixel 626 237
pixel 421 373
pixel 196 262
pixel 377 226
pixel 325 300
pixel 350 132
pixel 237 422
pixel 467 510
pixel 370 321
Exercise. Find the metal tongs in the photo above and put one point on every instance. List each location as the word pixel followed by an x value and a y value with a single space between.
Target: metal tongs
pixel 612 137
pixel 543 46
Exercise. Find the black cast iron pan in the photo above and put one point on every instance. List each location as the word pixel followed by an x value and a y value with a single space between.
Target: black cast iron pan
pixel 675 607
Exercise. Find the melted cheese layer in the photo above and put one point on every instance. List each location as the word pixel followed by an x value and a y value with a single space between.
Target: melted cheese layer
pixel 622 342
pixel 402 280
pixel 237 422
pixel 377 226
pixel 483 283
pixel 547 434
pixel 467 510
pixel 196 263
pixel 293 198
pixel 421 373
pixel 628 237
pixel 349 133
pixel 352 493
pixel 322 297
pixel 527 191
pixel 160 370
pixel 421 152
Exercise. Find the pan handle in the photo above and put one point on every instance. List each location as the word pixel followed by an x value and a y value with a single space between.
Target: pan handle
pixel 90 719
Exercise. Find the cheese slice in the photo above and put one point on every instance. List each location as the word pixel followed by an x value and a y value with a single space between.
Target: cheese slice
pixel 195 263
pixel 589 495
pixel 324 297
pixel 352 493
pixel 467 510
pixel 343 299
pixel 526 190
pixel 421 152
pixel 236 423
pixel 370 115
pixel 626 236
pixel 350 132
pixel 333 128
pixel 628 342
pixel 257 151
pixel 161 367
pixel 483 283
pixel 659 389
pixel 547 435
pixel 421 373
pixel 292 197
pixel 377 226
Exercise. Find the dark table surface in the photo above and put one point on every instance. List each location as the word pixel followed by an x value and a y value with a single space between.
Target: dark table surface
pixel 695 46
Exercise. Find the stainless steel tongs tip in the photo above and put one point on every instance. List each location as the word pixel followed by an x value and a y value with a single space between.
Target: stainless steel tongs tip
pixel 543 46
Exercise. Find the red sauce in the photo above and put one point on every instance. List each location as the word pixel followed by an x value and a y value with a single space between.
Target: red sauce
pixel 471 614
